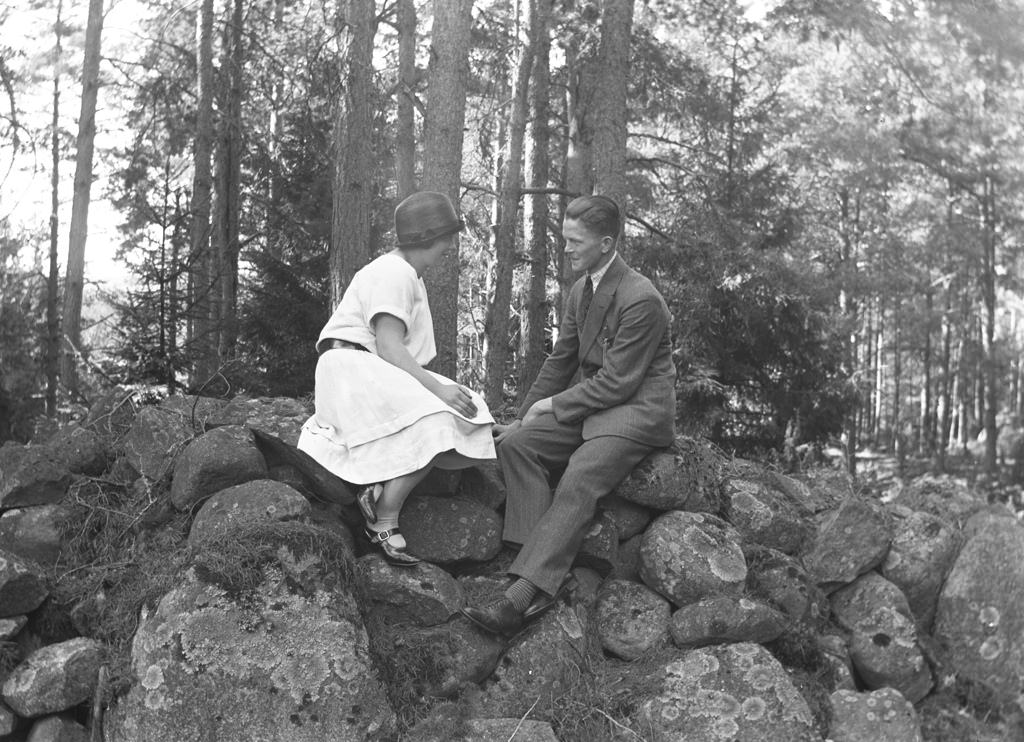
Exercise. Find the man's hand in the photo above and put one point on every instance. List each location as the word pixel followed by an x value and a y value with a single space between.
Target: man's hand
pixel 501 432
pixel 458 398
pixel 537 409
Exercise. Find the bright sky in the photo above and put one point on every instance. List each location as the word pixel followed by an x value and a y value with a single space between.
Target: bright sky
pixel 25 188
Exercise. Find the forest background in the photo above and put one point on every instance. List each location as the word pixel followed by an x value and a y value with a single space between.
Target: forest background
pixel 828 193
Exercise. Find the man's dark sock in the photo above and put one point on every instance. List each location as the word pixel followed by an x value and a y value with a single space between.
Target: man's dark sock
pixel 520 593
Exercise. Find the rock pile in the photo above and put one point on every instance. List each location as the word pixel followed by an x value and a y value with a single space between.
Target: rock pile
pixel 715 599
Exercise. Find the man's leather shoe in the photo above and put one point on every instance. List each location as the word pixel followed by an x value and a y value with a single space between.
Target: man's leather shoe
pixel 542 601
pixel 498 617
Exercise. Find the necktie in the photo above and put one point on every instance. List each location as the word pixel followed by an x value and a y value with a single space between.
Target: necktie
pixel 588 294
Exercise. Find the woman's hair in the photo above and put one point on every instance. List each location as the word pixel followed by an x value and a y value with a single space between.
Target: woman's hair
pixel 599 213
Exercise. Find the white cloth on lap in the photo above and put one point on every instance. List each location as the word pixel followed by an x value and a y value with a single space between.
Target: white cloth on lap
pixel 375 422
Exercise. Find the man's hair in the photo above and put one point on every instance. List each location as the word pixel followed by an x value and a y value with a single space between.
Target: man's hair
pixel 599 213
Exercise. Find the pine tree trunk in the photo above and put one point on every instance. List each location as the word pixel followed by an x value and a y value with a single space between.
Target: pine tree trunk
pixel 405 124
pixel 53 277
pixel 200 339
pixel 990 363
pixel 71 324
pixel 353 154
pixel 442 161
pixel 227 263
pixel 511 184
pixel 610 114
pixel 535 208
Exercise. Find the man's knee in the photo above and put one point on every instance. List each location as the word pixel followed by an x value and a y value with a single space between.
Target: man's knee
pixel 514 443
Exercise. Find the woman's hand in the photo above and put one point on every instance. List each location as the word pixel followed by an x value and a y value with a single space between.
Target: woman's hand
pixel 458 398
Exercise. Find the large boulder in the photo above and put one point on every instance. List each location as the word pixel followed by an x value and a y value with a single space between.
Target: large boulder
pixel 735 692
pixel 22 585
pixel 157 436
pixel 33 533
pixel 782 581
pixel 483 483
pixel 687 476
pixel 58 728
pixel 631 619
pixel 439 728
pixel 544 661
pixel 215 461
pixel 765 515
pixel 81 450
pixel 280 416
pixel 54 678
pixel 689 556
pixel 443 530
pixel 945 496
pixel 31 475
pixel 8 720
pixel 883 639
pixel 922 553
pixel 285 659
pixel 630 519
pixel 721 619
pixel 978 616
pixel 851 540
pixel 258 501
pixel 883 714
pixel 423 594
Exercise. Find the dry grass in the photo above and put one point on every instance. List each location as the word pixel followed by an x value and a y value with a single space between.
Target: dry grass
pixel 112 564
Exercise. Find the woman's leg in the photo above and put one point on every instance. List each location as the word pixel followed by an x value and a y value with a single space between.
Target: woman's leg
pixel 397 490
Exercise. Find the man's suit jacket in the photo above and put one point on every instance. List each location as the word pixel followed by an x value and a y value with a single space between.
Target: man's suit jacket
pixel 615 373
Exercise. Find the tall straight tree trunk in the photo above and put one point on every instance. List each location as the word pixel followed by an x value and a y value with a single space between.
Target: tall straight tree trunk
pixel 927 414
pixel 442 160
pixel 229 244
pixel 53 278
pixel 535 208
pixel 849 229
pixel 405 125
pixel 71 324
pixel 610 114
pixel 897 438
pixel 878 416
pixel 275 183
pixel 173 298
pixel 200 338
pixel 353 152
pixel 945 412
pixel 511 184
pixel 988 335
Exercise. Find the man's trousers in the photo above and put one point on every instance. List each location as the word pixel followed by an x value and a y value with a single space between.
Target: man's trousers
pixel 551 526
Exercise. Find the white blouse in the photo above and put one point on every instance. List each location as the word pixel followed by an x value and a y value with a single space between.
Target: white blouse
pixel 387 285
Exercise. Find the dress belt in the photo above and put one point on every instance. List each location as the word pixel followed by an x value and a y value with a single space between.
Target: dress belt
pixel 334 344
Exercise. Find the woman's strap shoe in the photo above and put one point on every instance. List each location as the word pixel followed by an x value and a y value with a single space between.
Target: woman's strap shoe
pixel 392 555
pixel 367 502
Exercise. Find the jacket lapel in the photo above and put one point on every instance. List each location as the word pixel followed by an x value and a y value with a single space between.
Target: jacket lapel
pixel 599 306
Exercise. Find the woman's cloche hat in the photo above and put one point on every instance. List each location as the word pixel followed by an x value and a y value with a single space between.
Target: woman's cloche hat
pixel 425 216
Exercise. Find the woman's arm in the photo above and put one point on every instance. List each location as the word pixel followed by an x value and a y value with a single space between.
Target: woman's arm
pixel 389 331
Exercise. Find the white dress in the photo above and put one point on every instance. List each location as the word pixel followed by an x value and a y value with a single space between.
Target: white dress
pixel 374 421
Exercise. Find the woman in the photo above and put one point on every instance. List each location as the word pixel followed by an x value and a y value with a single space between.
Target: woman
pixel 382 420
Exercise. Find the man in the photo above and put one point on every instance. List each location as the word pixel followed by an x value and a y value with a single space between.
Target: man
pixel 603 400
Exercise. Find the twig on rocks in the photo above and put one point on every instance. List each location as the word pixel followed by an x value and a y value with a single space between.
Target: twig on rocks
pixel 96 718
pixel 522 719
pixel 620 726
